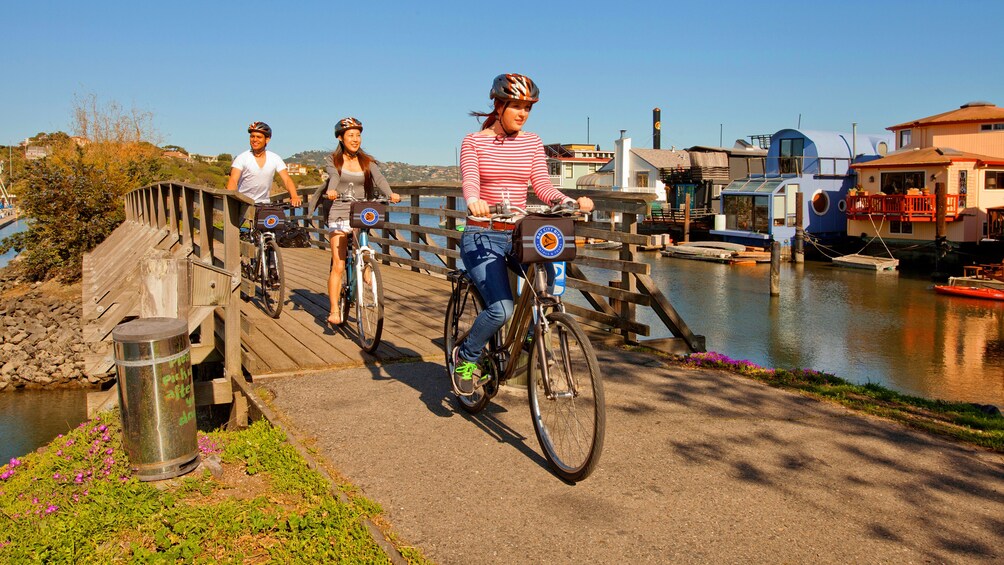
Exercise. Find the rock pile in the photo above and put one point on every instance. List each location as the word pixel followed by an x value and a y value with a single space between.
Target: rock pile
pixel 41 340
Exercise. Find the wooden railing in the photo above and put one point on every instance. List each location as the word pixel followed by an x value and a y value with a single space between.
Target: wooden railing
pixel 901 207
pixel 421 236
pixel 428 242
pixel 206 221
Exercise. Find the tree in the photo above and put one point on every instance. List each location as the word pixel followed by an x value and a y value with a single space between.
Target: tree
pixel 74 196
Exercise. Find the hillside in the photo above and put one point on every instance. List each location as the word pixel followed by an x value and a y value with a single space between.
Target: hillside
pixel 394 171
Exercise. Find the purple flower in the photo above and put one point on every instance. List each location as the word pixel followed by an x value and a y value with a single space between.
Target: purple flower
pixel 109 451
pixel 6 474
pixel 70 442
pixel 57 476
pixel 14 462
pixel 51 508
pixel 102 428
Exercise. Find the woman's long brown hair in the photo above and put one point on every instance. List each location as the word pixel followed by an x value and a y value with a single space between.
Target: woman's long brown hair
pixel 365 159
pixel 491 117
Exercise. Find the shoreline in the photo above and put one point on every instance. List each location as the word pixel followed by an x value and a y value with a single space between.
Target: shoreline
pixel 41 338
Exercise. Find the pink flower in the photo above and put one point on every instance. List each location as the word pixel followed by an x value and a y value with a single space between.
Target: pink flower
pixel 51 508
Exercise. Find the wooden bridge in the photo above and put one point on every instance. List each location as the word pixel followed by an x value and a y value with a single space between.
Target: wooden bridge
pixel 178 254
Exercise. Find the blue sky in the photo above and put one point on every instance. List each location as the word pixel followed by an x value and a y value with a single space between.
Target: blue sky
pixel 411 71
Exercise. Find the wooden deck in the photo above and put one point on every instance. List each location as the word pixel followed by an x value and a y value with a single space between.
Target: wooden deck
pixel 302 340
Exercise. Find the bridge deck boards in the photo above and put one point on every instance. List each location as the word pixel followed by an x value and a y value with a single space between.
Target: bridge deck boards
pixel 300 339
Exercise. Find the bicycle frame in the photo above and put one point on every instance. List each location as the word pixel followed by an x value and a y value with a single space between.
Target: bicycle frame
pixel 354 264
pixel 529 310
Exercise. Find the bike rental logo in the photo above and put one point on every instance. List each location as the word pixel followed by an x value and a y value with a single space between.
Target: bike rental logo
pixel 549 241
pixel 271 221
pixel 369 217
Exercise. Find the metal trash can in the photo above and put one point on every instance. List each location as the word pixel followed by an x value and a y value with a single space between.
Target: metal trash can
pixel 156 398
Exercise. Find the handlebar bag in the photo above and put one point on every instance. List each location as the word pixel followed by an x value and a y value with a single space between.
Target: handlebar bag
pixel 367 214
pixel 542 239
pixel 269 217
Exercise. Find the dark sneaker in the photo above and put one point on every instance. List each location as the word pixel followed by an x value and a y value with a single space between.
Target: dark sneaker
pixel 464 380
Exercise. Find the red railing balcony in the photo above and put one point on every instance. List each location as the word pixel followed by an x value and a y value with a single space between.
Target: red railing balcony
pixel 901 207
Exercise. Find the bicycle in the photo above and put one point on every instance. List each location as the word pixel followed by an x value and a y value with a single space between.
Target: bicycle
pixel 365 291
pixel 564 382
pixel 261 261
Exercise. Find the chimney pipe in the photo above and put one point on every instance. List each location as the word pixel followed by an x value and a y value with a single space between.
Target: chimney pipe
pixel 656 128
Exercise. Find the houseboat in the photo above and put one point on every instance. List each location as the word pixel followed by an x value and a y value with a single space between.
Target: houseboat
pixel 761 208
pixel 938 199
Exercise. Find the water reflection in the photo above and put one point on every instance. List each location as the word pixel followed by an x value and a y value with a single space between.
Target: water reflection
pixel 32 418
pixel 865 327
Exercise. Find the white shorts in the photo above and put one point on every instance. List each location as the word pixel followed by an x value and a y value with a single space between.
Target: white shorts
pixel 339 225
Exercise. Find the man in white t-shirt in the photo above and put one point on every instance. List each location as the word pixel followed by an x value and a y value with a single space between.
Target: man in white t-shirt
pixel 253 171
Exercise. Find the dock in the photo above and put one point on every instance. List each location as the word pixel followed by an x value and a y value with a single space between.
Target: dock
pixel 867 262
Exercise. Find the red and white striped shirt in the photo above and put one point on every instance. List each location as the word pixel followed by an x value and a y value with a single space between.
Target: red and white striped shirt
pixel 495 168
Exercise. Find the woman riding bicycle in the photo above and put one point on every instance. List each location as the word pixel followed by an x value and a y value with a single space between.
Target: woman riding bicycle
pixel 355 175
pixel 497 163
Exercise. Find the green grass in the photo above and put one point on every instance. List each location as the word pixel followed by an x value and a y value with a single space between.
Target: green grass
pixel 75 501
pixel 962 421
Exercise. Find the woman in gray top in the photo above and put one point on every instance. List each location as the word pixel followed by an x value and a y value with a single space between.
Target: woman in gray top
pixel 350 170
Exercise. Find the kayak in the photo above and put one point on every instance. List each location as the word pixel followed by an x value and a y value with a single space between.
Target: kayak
pixel 970 291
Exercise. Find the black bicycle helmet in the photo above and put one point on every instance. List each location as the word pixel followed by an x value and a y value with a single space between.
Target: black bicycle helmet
pixel 512 86
pixel 260 127
pixel 345 124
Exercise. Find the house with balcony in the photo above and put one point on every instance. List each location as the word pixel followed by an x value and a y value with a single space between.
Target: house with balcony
pixel 761 208
pixel 567 163
pixel 947 170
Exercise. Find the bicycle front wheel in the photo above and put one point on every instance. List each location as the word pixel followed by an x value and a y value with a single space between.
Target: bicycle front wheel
pixel 369 305
pixel 273 280
pixel 566 397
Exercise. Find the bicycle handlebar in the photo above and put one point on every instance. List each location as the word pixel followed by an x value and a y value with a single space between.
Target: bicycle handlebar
pixel 502 212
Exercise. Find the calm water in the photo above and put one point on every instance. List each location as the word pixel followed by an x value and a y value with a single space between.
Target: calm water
pixel 18 226
pixel 29 419
pixel 861 326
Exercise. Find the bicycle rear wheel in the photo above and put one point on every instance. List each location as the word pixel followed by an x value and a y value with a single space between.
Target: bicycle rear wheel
pixel 463 307
pixel 568 410
pixel 273 280
pixel 369 305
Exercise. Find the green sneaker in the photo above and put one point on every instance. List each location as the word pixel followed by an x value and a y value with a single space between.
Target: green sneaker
pixel 464 381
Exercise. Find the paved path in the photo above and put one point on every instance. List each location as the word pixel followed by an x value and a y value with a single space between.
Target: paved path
pixel 699 466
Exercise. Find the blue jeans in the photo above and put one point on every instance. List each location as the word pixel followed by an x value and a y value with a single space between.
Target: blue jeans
pixel 486 257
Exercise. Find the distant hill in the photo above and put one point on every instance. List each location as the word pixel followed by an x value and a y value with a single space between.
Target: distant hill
pixel 394 171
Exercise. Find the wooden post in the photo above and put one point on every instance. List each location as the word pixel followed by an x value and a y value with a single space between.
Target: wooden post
pixel 629 224
pixel 799 252
pixel 415 203
pixel 163 286
pixel 451 224
pixel 940 211
pixel 775 268
pixel 232 263
pixel 686 218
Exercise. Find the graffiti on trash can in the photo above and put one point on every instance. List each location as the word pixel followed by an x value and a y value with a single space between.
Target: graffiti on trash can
pixel 181 378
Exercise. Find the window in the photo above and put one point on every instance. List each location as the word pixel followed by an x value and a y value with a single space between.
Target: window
pixel 963 187
pixel 554 168
pixel 790 156
pixel 904 138
pixel 746 213
pixel 991 127
pixel 568 170
pixel 592 167
pixel 899 183
pixel 900 227
pixel 820 203
pixel 641 179
pixel 994 180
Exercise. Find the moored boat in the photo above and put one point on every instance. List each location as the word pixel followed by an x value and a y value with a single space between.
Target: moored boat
pixel 970 291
